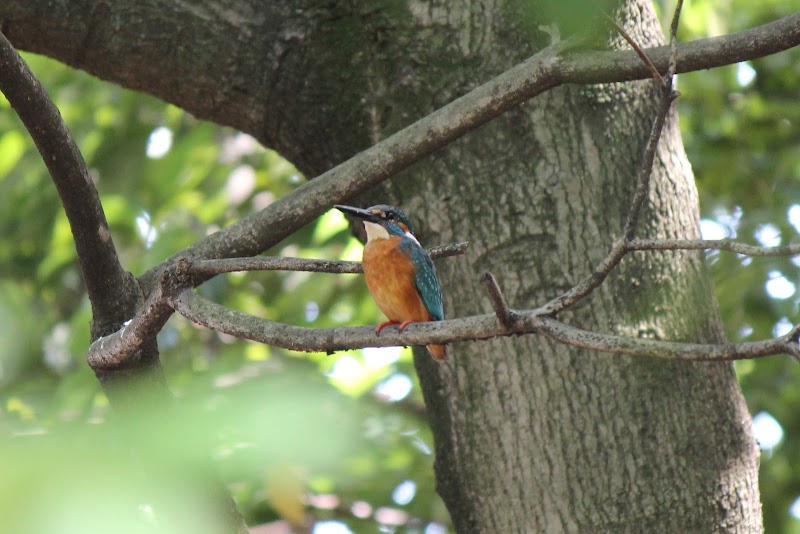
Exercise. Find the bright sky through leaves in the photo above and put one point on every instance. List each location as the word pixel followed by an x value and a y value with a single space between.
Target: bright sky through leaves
pixel 745 74
pixel 159 143
pixel 767 431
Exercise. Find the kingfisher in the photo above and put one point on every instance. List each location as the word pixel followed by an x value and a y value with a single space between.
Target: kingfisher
pixel 399 272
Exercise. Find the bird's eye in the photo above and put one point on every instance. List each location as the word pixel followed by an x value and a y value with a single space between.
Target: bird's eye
pixel 390 216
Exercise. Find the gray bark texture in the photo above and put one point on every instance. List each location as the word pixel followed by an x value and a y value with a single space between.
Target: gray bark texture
pixel 531 436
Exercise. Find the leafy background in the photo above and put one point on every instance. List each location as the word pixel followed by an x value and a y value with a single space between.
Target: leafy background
pixel 740 128
pixel 348 431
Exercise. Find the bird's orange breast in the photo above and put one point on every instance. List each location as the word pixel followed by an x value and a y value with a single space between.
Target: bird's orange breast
pixel 390 278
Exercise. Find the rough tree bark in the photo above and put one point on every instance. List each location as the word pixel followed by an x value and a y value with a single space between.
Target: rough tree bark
pixel 530 435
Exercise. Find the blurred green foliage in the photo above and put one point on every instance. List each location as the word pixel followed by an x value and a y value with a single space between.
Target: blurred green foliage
pixel 348 428
pixel 278 424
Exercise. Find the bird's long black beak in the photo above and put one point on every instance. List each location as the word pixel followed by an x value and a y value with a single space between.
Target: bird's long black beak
pixel 357 212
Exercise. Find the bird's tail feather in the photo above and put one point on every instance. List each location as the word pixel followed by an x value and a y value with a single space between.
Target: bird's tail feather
pixel 439 352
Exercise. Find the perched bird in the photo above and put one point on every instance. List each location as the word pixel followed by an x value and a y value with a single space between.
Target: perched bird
pixel 400 274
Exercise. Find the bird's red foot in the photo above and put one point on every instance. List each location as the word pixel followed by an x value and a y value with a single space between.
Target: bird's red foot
pixel 403 325
pixel 382 325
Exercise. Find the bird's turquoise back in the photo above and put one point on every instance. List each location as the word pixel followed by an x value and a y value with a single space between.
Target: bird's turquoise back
pixel 425 278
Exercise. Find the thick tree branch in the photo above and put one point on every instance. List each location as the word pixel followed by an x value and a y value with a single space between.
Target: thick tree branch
pixel 107 283
pixel 120 43
pixel 114 293
pixel 543 71
pixel 379 162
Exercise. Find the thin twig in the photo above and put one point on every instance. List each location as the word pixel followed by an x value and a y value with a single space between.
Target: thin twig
pixel 449 250
pixel 646 167
pixel 619 249
pixel 673 39
pixel 642 55
pixel 668 350
pixel 792 349
pixel 261 263
pixel 588 284
pixel 499 304
pixel 712 244
pixel 206 268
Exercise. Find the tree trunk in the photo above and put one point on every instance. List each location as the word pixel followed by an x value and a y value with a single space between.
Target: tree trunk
pixel 531 436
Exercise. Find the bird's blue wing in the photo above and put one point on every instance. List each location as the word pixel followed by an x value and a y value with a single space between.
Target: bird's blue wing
pixel 425 279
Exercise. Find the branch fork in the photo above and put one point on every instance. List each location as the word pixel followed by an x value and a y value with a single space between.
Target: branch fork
pixel 505 315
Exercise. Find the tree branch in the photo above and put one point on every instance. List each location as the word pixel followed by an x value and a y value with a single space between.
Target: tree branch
pixel 668 96
pixel 673 38
pixel 701 54
pixel 543 71
pixel 206 268
pixel 120 349
pixel 107 283
pixel 115 350
pixel 124 42
pixel 639 52
pixel 707 244
pixel 499 304
pixel 216 317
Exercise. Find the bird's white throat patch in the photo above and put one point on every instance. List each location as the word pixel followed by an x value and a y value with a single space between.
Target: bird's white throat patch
pixel 376 231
